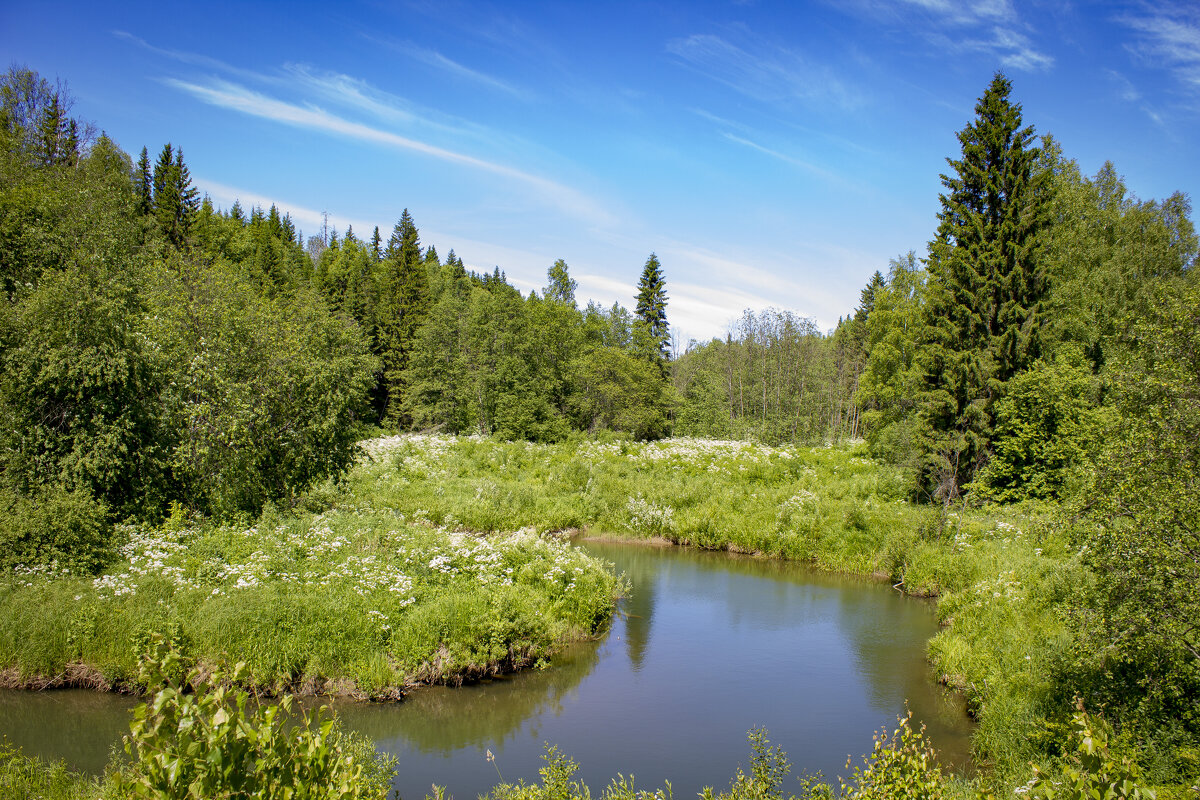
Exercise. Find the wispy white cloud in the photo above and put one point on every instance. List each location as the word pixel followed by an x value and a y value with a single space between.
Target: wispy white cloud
pixel 992 27
pixel 195 59
pixel 1016 50
pixel 721 121
pixel 359 95
pixel 438 61
pixel 241 99
pixel 1125 88
pixel 764 72
pixel 1169 37
pixel 955 12
pixel 795 162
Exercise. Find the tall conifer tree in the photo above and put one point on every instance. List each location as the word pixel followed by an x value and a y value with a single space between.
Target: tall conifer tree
pixel 652 305
pixel 985 288
pixel 405 288
pixel 145 184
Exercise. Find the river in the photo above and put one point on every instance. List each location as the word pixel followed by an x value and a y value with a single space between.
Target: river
pixel 709 646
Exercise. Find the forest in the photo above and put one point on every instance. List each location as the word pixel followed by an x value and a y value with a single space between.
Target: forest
pixel 164 362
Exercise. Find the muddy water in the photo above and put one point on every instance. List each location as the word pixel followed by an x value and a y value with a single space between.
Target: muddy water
pixel 707 647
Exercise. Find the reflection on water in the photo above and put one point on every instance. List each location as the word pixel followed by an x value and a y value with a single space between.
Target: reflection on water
pixel 707 647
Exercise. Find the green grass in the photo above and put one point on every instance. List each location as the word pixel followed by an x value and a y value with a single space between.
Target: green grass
pixel 409 571
pixel 359 598
pixel 1002 575
pixel 24 777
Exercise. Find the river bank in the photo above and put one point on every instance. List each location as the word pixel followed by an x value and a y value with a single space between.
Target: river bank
pixel 706 646
pixel 1000 574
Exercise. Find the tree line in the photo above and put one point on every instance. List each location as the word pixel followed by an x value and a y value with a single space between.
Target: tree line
pixel 156 350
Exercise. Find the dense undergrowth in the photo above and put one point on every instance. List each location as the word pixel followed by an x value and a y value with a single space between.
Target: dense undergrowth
pixel 381 584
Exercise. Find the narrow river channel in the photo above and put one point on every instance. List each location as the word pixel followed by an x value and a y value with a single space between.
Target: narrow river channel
pixel 709 646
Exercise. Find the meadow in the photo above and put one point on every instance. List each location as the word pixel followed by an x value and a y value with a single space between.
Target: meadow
pixel 1003 576
pixel 444 558
pixel 358 597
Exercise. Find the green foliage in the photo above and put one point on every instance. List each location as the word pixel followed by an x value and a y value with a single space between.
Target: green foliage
pixel 616 390
pixel 78 390
pixel 560 286
pixel 768 768
pixel 174 200
pixel 902 766
pixel 25 777
pixel 364 599
pixel 889 385
pixel 984 291
pixel 651 308
pixel 1142 525
pixel 1047 427
pixel 53 526
pixel 1094 772
pixel 1106 252
pixel 197 738
pixel 262 394
pixel 774 379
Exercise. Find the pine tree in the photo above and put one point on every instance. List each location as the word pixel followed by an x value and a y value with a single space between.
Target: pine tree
pixel 652 305
pixel 985 288
pixel 165 197
pixel 189 195
pixel 866 300
pixel 376 246
pixel 175 200
pixel 58 138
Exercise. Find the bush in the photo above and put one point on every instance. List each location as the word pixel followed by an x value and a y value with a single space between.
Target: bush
pixel 54 528
pixel 1095 773
pixel 198 739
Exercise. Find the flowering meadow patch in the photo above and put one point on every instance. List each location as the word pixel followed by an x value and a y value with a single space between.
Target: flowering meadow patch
pixel 442 558
pixel 361 597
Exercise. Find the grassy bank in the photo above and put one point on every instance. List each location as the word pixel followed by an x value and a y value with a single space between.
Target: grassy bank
pixel 1002 575
pixel 357 598
pixel 403 573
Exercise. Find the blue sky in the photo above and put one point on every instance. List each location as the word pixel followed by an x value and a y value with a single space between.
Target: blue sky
pixel 770 153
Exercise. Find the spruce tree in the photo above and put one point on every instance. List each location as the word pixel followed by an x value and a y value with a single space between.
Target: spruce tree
pixel 404 304
pixel 985 288
pixel 176 201
pixel 162 185
pixel 376 246
pixel 145 185
pixel 58 138
pixel 652 305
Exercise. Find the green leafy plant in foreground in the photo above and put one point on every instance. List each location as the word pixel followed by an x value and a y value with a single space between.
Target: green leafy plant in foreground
pixel 1096 773
pixel 23 776
pixel 902 766
pixel 207 743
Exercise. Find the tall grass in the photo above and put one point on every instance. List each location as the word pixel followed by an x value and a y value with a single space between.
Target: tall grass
pixel 405 572
pixel 1002 574
pixel 359 598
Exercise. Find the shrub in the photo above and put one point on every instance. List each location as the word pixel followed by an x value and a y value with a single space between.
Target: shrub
pixel 198 739
pixel 1095 773
pixel 54 527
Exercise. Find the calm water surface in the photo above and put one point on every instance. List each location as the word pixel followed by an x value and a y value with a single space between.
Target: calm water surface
pixel 709 646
